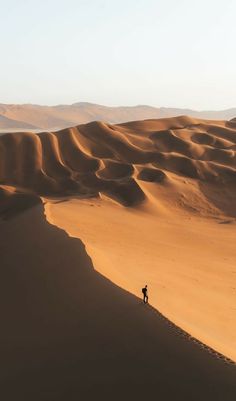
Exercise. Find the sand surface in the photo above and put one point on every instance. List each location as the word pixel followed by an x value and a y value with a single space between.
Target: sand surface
pixel 187 263
pixel 153 202
pixel 26 116
pixel 69 333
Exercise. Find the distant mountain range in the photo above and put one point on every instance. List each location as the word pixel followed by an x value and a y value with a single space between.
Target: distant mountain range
pixel 36 117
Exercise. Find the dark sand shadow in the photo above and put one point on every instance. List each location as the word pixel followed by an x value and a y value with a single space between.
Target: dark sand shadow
pixel 221 196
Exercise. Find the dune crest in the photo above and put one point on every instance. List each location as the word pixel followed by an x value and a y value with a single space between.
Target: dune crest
pixel 68 333
pixel 170 175
pixel 26 116
pixel 114 160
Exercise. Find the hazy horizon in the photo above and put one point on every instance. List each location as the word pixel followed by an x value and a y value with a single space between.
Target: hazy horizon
pixel 114 106
pixel 159 53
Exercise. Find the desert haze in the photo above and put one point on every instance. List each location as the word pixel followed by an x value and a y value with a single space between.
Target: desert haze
pixel 89 215
pixel 36 117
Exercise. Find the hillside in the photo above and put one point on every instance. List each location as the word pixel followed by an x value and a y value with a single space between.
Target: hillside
pixel 144 202
pixel 63 116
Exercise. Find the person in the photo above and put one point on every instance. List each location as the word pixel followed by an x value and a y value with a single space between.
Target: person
pixel 145 295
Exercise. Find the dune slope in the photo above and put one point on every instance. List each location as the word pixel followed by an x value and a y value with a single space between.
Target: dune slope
pixel 187 261
pixel 63 116
pixel 68 332
pixel 177 179
pixel 115 159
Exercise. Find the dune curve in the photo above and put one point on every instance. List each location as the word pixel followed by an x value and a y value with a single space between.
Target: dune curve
pixel 171 174
pixel 58 339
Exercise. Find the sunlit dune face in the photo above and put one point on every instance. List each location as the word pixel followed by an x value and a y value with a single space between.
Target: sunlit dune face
pixel 187 261
pixel 114 160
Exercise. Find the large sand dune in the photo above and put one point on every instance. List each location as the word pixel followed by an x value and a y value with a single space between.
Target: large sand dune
pixel 68 333
pixel 63 116
pixel 115 160
pixel 153 202
pixel 12 124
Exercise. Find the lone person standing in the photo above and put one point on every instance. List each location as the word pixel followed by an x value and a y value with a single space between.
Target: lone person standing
pixel 145 295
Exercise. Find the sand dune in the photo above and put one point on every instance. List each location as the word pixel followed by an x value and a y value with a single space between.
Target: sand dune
pixel 114 159
pixel 10 124
pixel 64 116
pixel 177 180
pixel 69 333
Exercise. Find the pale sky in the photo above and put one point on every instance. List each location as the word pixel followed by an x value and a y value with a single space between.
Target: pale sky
pixel 172 53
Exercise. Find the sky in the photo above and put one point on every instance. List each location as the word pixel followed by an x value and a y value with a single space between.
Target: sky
pixel 164 53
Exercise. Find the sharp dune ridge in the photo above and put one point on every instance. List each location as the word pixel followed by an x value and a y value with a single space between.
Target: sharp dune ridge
pixel 100 158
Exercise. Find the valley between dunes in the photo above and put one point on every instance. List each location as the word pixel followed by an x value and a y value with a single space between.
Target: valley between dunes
pixel 150 202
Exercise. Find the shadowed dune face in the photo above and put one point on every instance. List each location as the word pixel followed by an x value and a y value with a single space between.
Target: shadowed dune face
pixel 151 175
pixel 99 158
